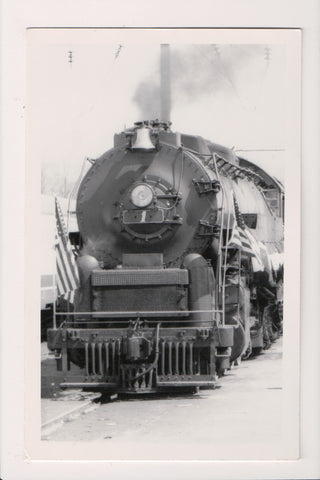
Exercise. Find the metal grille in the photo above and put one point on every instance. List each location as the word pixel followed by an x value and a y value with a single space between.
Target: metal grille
pixel 102 358
pixel 175 358
pixel 180 362
pixel 174 276
pixel 178 358
pixel 103 361
pixel 137 377
pixel 137 299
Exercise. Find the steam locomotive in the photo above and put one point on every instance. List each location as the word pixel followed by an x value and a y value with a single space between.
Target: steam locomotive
pixel 179 253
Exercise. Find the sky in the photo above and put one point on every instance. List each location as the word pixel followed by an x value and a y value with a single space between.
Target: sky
pixel 231 94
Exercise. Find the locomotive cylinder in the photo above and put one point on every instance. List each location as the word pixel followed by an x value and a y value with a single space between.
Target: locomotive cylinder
pixel 201 286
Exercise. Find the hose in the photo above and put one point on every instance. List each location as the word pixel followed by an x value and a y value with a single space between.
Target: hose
pixel 156 357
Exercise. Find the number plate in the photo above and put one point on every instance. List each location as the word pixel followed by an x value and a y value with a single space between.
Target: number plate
pixel 142 216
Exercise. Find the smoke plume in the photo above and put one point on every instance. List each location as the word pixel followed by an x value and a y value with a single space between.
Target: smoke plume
pixel 198 70
pixel 147 97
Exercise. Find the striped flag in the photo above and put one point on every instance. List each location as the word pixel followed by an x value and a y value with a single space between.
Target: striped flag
pixel 246 246
pixel 242 238
pixel 235 239
pixel 67 272
pixel 256 260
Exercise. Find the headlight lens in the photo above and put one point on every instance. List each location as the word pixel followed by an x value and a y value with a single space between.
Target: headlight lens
pixel 142 195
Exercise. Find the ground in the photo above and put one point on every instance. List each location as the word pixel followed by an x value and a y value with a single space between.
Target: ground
pixel 244 409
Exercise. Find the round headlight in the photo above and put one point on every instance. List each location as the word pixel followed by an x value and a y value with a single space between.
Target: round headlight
pixel 142 195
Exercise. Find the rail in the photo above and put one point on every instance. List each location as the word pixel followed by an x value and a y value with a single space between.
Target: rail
pixel 139 313
pixel 222 268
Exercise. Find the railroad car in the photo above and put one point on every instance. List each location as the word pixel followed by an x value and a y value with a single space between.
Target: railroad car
pixel 179 253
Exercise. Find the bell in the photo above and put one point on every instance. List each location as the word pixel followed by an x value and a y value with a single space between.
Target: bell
pixel 143 140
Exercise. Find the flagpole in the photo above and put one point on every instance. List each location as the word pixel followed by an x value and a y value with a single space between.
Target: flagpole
pixel 239 281
pixel 68 307
pixel 67 276
pixel 218 291
pixel 54 301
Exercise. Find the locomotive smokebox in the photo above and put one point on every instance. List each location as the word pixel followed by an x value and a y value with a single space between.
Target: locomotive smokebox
pixel 135 200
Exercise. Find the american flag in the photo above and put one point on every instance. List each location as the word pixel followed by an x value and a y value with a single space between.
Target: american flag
pixel 239 237
pixel 242 238
pixel 235 239
pixel 67 272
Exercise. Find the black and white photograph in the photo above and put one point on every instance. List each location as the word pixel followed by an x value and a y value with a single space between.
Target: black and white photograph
pixel 162 225
pixel 156 209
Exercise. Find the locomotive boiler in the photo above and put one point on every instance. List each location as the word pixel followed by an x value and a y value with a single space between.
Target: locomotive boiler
pixel 178 253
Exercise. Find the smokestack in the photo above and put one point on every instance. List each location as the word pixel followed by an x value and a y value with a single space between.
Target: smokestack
pixel 165 86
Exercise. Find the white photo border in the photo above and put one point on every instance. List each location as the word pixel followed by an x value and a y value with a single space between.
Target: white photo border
pixel 16 463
